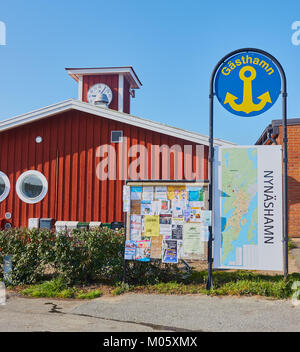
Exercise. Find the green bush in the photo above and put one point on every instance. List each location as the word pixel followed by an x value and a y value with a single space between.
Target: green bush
pixel 89 256
pixel 31 251
pixel 151 272
pixel 85 256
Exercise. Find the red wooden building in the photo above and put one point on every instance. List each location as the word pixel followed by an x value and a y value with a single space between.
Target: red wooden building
pixel 69 161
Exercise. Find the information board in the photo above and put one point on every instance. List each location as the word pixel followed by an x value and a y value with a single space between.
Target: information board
pixel 166 220
pixel 248 208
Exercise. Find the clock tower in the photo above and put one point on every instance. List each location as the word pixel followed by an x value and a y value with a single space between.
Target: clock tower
pixel 114 85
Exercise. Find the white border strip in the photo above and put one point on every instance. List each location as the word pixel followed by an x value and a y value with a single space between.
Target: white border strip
pixel 112 115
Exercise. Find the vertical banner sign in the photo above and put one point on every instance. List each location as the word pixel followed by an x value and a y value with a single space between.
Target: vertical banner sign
pixel 248 208
pixel 7 268
pixel 248 191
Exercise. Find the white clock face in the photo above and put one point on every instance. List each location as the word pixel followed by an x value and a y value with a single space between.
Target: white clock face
pixel 99 88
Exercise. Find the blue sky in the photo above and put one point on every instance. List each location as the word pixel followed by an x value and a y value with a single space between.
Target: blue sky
pixel 172 45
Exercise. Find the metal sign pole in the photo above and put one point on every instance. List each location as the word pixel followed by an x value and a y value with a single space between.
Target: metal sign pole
pixel 209 283
pixel 285 160
pixel 285 181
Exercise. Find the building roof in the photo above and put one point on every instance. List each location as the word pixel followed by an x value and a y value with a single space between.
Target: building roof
pixel 72 104
pixel 273 129
pixel 128 72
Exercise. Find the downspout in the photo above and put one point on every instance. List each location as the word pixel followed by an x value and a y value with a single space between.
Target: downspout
pixel 269 136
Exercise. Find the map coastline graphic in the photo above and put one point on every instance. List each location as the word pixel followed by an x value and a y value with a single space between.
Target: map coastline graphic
pixel 239 207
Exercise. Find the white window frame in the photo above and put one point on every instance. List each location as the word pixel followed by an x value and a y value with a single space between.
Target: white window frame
pixel 7 186
pixel 19 183
pixel 121 138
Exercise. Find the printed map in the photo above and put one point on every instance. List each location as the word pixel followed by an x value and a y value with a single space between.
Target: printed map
pixel 239 205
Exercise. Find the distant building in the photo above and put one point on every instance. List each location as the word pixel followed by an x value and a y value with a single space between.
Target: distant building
pixel 273 135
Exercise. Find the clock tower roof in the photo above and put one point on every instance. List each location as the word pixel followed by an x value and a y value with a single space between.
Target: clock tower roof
pixel 127 71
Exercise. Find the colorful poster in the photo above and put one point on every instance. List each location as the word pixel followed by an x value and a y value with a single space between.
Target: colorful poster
pixel 192 244
pixel 146 207
pixel 195 214
pixel 177 231
pixel 161 193
pixel 155 207
pixel 147 193
pixel 143 249
pixel 177 192
pixel 136 193
pixel 135 207
pixel 7 268
pixel 206 217
pixel 156 244
pixel 135 227
pixel 178 207
pixel 126 199
pixel 187 213
pixel 165 225
pixel 169 251
pixel 130 250
pixel 151 225
pixel 195 194
pixel 165 207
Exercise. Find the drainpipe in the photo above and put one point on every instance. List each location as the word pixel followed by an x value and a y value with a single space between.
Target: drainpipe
pixel 269 136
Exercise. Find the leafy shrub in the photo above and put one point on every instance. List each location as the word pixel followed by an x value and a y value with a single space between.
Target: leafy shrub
pixel 31 251
pixel 151 272
pixel 85 256
pixel 88 256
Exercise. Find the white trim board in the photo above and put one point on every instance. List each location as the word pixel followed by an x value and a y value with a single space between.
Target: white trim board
pixel 121 92
pixel 135 83
pixel 110 114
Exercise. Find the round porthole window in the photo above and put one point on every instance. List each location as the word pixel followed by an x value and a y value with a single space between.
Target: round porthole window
pixel 4 186
pixel 32 186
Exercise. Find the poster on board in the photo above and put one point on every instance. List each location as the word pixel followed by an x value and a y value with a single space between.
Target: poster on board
pixel 169 251
pixel 143 249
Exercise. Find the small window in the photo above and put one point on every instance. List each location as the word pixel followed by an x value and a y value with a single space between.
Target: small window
pixel 4 186
pixel 116 136
pixel 32 186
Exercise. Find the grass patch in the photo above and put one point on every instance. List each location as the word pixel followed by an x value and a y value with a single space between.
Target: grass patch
pixel 57 288
pixel 228 283
pixel 291 245
pixel 89 295
pixel 224 283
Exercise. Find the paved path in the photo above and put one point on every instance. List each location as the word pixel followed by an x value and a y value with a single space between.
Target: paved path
pixel 138 312
pixel 26 314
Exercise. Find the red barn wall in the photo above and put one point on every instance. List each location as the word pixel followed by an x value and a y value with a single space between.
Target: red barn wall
pixel 67 157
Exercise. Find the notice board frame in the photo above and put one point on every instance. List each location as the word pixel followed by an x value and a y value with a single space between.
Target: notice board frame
pixel 203 183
